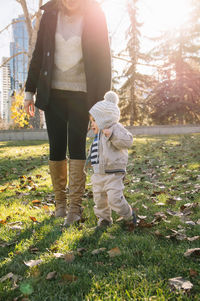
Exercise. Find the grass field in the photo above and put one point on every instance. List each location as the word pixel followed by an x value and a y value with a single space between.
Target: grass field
pixel 41 261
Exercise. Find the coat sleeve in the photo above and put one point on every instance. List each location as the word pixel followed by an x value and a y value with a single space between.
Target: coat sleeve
pixel 36 60
pixel 121 138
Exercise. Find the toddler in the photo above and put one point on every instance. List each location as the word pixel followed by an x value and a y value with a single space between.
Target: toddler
pixel 109 157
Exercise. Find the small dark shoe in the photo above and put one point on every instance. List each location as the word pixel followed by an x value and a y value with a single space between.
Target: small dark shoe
pixel 103 224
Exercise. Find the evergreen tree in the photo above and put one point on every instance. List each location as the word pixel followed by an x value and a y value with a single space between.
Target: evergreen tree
pixel 176 97
pixel 135 88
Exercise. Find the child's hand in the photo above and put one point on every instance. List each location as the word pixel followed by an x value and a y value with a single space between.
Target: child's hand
pixel 106 132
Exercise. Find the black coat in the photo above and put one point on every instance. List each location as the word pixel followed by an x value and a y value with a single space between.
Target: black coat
pixel 96 55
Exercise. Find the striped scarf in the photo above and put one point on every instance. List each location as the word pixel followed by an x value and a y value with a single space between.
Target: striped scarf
pixel 94 156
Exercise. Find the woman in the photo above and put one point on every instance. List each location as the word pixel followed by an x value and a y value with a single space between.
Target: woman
pixel 70 70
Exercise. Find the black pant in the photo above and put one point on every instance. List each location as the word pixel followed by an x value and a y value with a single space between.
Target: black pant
pixel 67 122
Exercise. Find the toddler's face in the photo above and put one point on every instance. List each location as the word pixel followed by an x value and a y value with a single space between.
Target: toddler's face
pixel 94 126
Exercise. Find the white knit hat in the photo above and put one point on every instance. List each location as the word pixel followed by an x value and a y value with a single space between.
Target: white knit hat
pixel 106 112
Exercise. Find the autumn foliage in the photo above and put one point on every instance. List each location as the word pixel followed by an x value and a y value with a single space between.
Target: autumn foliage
pixel 19 116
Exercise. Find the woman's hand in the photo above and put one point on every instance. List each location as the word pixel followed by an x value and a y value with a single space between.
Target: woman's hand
pixel 106 132
pixel 29 107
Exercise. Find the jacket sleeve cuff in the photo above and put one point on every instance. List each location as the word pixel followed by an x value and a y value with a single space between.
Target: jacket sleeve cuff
pixel 28 96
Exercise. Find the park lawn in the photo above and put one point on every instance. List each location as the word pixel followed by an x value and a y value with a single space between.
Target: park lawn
pixel 162 184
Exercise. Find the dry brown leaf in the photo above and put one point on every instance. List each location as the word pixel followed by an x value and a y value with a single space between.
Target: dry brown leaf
pixel 193 273
pixel 157 233
pixel 46 208
pixel 70 278
pixel 69 257
pixel 3 221
pixel 192 252
pixel 193 238
pixel 32 263
pixel 143 224
pixel 33 218
pixel 38 176
pixel 33 249
pixel 179 283
pixel 51 275
pixel 174 213
pixel 81 250
pixel 36 202
pixel 114 252
pixel 97 251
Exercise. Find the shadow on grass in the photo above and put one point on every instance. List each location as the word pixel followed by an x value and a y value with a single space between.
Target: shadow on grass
pixel 12 168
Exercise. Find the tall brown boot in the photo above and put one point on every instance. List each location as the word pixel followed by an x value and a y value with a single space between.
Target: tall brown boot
pixel 77 180
pixel 58 171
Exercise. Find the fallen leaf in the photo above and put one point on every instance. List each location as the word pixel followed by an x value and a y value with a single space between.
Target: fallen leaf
pixel 69 257
pixel 70 278
pixel 142 216
pixel 174 213
pixel 97 251
pixel 179 283
pixel 193 273
pixel 46 208
pixel 157 233
pixel 143 224
pixel 58 255
pixel 16 227
pixel 3 221
pixel 114 252
pixel 51 275
pixel 33 249
pixel 32 263
pixel 81 250
pixel 192 252
pixel 193 238
pixel 36 202
pixel 38 176
pixel 190 223
pixel 33 218
pixel 7 276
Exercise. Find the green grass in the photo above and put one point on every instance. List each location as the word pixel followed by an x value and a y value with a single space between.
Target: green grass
pixel 162 175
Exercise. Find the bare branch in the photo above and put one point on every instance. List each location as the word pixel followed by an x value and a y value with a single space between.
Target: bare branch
pixel 11 57
pixel 13 22
pixel 27 16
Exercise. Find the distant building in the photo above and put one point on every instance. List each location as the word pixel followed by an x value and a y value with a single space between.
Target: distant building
pixel 6 89
pixel 19 62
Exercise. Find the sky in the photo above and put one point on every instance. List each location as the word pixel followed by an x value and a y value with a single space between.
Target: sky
pixel 156 15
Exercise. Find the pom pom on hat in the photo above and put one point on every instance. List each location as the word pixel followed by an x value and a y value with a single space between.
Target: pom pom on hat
pixel 106 112
pixel 111 97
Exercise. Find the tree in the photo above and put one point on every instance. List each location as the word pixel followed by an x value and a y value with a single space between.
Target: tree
pixel 18 115
pixel 32 23
pixel 176 96
pixel 135 87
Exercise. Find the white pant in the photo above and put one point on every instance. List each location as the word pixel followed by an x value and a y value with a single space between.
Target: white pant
pixel 108 195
